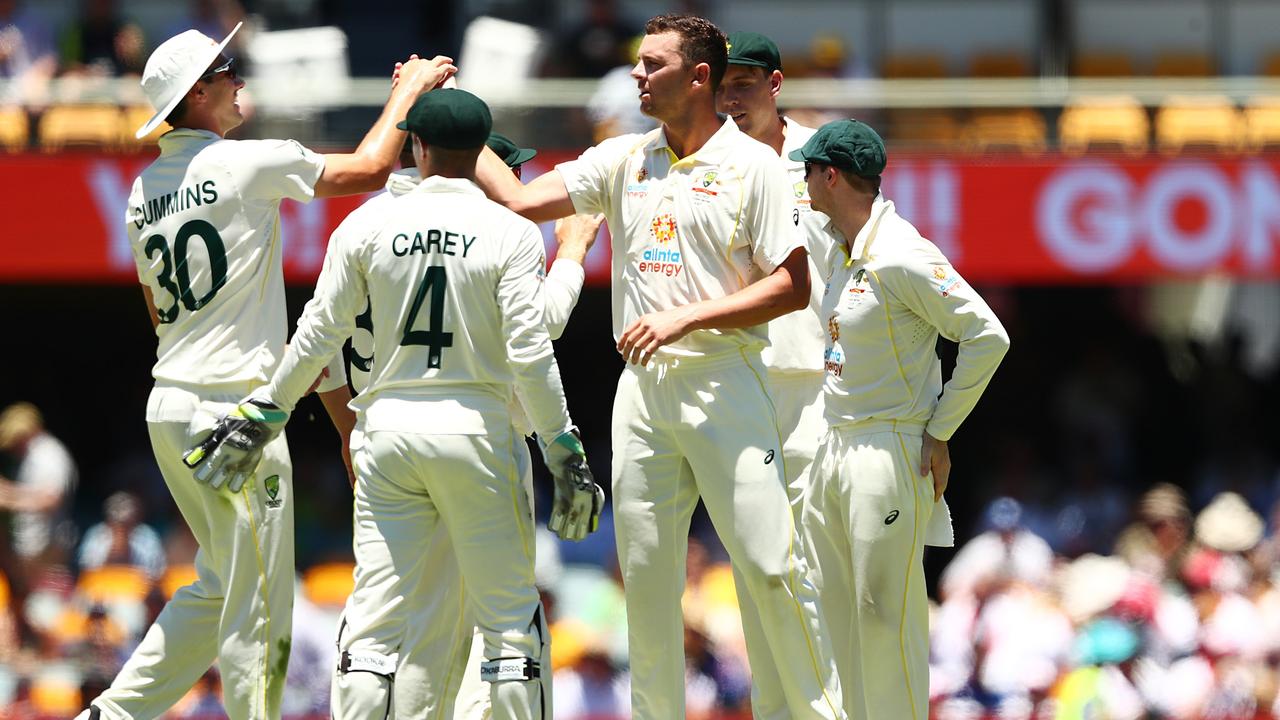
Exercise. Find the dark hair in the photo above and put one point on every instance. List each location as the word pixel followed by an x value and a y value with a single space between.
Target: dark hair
pixel 700 41
pixel 868 185
pixel 175 115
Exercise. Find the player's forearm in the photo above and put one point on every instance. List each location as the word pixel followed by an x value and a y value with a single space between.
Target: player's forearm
pixel 560 294
pixel 976 363
pixel 343 417
pixel 784 291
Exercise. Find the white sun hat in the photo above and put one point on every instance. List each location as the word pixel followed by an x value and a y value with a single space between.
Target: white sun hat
pixel 174 68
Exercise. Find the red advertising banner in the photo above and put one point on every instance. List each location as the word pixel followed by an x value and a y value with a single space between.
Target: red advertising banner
pixel 1000 219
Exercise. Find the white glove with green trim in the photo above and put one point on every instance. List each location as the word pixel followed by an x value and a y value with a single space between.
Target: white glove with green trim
pixel 575 511
pixel 231 451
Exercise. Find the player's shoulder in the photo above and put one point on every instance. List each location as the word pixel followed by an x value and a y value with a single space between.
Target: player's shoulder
pixel 899 244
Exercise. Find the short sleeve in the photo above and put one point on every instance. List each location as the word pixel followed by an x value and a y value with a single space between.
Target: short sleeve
pixel 589 178
pixel 773 233
pixel 276 169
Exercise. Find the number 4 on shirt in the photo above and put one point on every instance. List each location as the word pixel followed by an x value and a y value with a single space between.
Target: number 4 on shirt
pixel 434 336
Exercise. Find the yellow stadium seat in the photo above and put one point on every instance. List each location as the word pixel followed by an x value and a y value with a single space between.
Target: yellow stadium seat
pixel 79 125
pixel 15 128
pixel 1118 121
pixel 1211 121
pixel 175 577
pixel 53 696
pixel 1183 64
pixel 924 129
pixel 1262 123
pixel 999 65
pixel 113 582
pixel 914 66
pixel 133 118
pixel 329 583
pixel 1020 129
pixel 1102 64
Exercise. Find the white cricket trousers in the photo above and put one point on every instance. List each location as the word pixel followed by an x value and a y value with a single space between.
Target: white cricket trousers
pixel 408 486
pixel 706 426
pixel 797 398
pixel 433 648
pixel 240 608
pixel 865 517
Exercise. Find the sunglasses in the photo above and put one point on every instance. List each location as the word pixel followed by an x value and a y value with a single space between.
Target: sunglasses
pixel 808 168
pixel 230 67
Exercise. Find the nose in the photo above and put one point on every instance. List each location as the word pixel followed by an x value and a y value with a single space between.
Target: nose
pixel 637 71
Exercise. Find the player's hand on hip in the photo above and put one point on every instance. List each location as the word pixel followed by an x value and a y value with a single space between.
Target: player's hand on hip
pixel 935 458
pixel 578 502
pixel 575 235
pixel 230 453
pixel 418 75
pixel 651 331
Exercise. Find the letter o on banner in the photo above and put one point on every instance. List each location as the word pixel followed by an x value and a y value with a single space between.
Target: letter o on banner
pixel 1175 247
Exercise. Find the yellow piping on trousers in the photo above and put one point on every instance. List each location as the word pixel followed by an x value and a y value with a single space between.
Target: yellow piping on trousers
pixel 791 570
pixel 906 587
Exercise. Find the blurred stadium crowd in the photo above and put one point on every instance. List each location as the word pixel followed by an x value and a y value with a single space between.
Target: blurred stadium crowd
pixel 1122 553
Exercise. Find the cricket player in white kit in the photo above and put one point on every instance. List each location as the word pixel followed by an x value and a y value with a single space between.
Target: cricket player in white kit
pixel 749 95
pixel 454 283
pixel 704 253
pixel 883 465
pixel 203 222
pixel 431 642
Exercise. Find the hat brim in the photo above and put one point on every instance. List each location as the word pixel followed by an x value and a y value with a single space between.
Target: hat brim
pixel 188 82
pixel 797 155
pixel 402 125
pixel 522 156
pixel 750 62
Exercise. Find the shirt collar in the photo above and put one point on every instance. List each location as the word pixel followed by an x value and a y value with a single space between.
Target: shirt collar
pixel 181 136
pixel 709 151
pixel 867 235
pixel 439 184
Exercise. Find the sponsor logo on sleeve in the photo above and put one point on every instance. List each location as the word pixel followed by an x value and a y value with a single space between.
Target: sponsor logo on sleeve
pixel 946 280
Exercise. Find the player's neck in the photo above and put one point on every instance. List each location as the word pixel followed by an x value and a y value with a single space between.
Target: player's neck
pixel 850 217
pixel 688 133
pixel 776 135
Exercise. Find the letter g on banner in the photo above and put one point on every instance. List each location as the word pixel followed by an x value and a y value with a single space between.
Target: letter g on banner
pixel 1084 219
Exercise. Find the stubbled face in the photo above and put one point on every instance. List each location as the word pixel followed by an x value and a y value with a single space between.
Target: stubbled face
pixel 661 76
pixel 222 91
pixel 746 95
pixel 817 178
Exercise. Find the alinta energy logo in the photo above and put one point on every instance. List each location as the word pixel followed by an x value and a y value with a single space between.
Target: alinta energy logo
pixel 664 258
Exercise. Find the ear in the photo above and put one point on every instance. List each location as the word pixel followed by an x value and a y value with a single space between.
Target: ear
pixel 775 83
pixel 702 74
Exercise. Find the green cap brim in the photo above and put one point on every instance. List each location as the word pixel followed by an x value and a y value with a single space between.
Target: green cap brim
pixel 522 156
pixel 749 62
pixel 402 125
pixel 797 155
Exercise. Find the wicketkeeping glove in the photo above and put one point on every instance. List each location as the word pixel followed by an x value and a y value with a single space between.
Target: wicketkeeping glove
pixel 575 511
pixel 230 452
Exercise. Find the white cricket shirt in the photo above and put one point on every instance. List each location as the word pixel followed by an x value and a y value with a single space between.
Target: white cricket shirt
pixel 454 285
pixel 204 227
pixel 798 339
pixel 884 308
pixel 560 292
pixel 689 229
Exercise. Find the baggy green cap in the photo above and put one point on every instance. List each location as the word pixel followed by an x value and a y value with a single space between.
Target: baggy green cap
pixel 513 155
pixel 449 118
pixel 846 144
pixel 754 49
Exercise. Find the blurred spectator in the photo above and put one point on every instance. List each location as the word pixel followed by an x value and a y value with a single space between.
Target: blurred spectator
pixel 27 57
pixel 594 46
pixel 1006 551
pixel 712 682
pixel 122 539
pixel 586 686
pixel 214 18
pixel 38 493
pixel 102 42
pixel 1156 541
pixel 831 57
pixel 614 108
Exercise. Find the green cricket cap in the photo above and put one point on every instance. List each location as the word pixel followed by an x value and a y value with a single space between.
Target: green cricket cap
pixel 513 155
pixel 449 118
pixel 846 144
pixel 754 49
